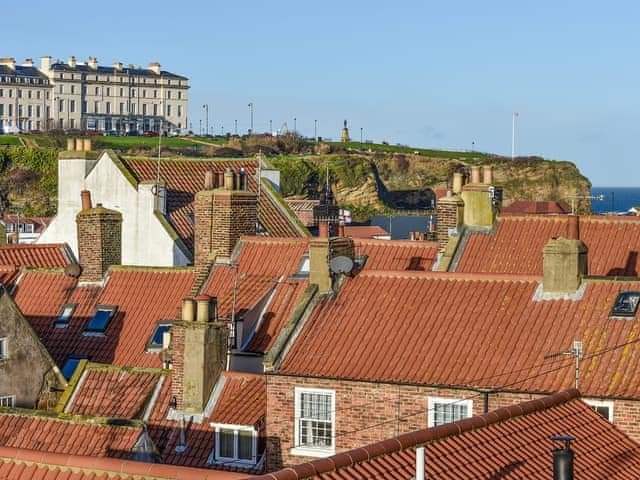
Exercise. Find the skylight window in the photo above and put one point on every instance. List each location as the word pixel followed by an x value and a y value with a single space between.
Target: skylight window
pixel 100 321
pixel 155 342
pixel 626 304
pixel 303 266
pixel 66 312
pixel 70 365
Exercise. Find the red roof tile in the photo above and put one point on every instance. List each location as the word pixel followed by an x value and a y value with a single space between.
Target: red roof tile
pixel 113 393
pixel 20 464
pixel 143 297
pixel 242 400
pixel 36 255
pixel 364 231
pixel 510 443
pixel 186 177
pixel 397 254
pixel 468 330
pixel 516 245
pixel 532 206
pixel 61 436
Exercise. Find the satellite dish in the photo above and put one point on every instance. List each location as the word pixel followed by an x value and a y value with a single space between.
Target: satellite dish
pixel 341 264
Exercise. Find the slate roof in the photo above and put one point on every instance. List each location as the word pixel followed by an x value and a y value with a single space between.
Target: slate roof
pixel 67 436
pixel 185 178
pixel 532 206
pixel 113 393
pixel 242 400
pixel 143 296
pixel 19 464
pixel 463 330
pixel 23 71
pixel 103 70
pixel 517 243
pixel 509 443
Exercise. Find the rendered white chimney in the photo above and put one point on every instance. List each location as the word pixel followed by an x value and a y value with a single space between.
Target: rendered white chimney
pixel 9 62
pixel 28 62
pixel 45 64
pixel 93 63
pixel 155 67
pixel 72 61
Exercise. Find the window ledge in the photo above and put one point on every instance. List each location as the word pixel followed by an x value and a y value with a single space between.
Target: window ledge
pixel 313 452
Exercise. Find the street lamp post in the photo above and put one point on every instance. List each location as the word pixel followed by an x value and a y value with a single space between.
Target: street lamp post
pixel 271 127
pixel 235 127
pixel 315 130
pixel 251 115
pixel 200 127
pixel 513 135
pixel 360 137
pixel 206 123
pixel 295 125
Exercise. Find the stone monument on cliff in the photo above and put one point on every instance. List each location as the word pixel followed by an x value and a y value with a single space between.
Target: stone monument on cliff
pixel 345 133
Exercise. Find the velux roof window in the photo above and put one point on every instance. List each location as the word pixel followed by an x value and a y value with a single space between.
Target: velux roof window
pixel 66 312
pixel 626 305
pixel 101 319
pixel 71 364
pixel 155 342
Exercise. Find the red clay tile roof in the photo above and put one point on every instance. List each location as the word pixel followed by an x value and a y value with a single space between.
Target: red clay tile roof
pixel 364 231
pixel 303 209
pixel 532 206
pixel 113 393
pixel 516 245
pixel 36 255
pixel 143 297
pixel 242 400
pixel 285 299
pixel 21 464
pixel 509 443
pixel 186 177
pixel 397 254
pixel 482 331
pixel 62 436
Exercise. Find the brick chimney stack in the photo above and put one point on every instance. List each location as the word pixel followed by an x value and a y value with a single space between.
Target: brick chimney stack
pixel 222 216
pixel 450 214
pixel 564 262
pixel 198 345
pixel 99 239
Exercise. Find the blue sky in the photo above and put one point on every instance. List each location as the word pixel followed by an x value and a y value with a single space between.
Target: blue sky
pixel 432 74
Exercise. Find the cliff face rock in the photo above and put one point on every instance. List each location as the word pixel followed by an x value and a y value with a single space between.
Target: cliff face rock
pixel 377 182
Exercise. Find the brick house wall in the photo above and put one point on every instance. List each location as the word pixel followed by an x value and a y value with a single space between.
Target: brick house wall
pixel 368 412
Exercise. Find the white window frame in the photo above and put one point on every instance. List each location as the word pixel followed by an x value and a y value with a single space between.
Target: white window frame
pixel 8 401
pixel 217 458
pixel 601 403
pixel 432 401
pixel 4 348
pixel 306 450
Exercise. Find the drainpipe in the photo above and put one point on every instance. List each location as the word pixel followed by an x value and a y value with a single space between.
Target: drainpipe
pixel 420 463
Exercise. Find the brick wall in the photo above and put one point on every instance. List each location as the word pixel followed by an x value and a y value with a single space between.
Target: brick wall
pixel 203 230
pixel 367 412
pixel 99 241
pixel 449 212
pixel 177 362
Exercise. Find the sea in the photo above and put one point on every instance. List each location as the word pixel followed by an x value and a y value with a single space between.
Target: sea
pixel 615 200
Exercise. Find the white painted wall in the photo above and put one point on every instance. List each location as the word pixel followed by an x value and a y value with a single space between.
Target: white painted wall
pixel 145 241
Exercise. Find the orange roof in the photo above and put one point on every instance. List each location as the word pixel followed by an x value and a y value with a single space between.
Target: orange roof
pixel 397 254
pixel 468 330
pixel 242 400
pixel 517 243
pixel 105 392
pixel 509 443
pixel 62 436
pixel 19 464
pixel 186 177
pixel 36 255
pixel 364 231
pixel 143 297
pixel 532 206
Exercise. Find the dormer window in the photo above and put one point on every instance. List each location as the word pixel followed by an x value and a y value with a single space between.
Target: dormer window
pixel 66 312
pixel 626 304
pixel 155 342
pixel 101 319
pixel 234 443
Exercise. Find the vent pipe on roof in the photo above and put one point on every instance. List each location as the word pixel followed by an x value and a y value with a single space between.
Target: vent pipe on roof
pixel 563 459
pixel 420 463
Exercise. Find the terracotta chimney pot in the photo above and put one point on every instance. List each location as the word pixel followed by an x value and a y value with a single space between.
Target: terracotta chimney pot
pixel 457 182
pixel 323 229
pixel 85 196
pixel 573 227
pixel 487 173
pixel 475 174
pixel 208 180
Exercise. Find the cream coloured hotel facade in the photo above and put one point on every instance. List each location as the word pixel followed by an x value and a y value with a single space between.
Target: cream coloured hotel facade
pixel 86 96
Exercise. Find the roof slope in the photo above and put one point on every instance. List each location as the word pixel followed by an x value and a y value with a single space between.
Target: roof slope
pixel 19 464
pixel 397 254
pixel 483 331
pixel 509 443
pixel 532 206
pixel 113 393
pixel 186 177
pixel 36 255
pixel 240 390
pixel 517 243
pixel 143 296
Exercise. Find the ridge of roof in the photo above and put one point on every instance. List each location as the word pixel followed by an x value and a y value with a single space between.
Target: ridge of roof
pixel 395 243
pixel 562 217
pixel 74 419
pixel 419 437
pixel 157 269
pixel 272 240
pixel 426 274
pixel 110 465
pixel 32 246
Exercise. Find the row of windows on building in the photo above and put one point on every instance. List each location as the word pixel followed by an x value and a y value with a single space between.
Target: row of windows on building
pixel 128 78
pixel 107 92
pixel 24 80
pixel 145 109
pixel 37 94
